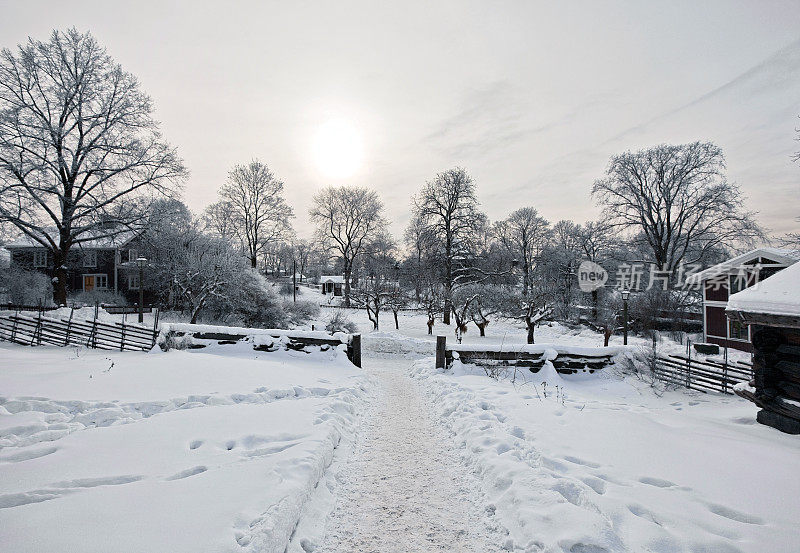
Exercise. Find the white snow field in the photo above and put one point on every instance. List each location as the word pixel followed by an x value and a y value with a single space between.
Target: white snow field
pixel 601 463
pixel 227 449
pixel 184 451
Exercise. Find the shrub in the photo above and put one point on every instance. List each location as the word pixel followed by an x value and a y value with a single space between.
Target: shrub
pixel 107 297
pixel 26 287
pixel 286 288
pixel 248 301
pixel 339 322
pixel 301 311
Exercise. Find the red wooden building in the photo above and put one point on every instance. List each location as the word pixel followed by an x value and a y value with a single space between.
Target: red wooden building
pixel 732 276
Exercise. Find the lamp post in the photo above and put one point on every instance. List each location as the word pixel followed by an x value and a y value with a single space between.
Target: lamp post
pixel 141 262
pixel 625 294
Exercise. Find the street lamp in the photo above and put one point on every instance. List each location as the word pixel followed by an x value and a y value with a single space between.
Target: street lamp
pixel 625 294
pixel 141 262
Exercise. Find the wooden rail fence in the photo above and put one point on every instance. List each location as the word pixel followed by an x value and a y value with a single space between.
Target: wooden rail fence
pixel 34 330
pixel 699 374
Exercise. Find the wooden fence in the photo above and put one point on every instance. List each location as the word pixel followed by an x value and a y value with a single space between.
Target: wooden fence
pixel 34 330
pixel 700 374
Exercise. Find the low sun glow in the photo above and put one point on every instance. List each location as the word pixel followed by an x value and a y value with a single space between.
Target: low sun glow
pixel 338 150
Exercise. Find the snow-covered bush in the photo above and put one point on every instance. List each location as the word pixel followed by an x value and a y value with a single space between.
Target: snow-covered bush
pixel 286 288
pixel 248 300
pixel 170 340
pixel 338 322
pixel 301 311
pixel 26 287
pixel 107 297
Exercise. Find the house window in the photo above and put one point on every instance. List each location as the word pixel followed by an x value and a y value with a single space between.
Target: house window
pixel 132 255
pixel 738 331
pixel 133 282
pixel 90 258
pixel 40 258
pixel 102 282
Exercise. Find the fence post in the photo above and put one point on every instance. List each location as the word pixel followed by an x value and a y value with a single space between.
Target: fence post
pixel 37 334
pixel 69 325
pixel 441 345
pixel 93 335
pixel 14 326
pixel 355 349
pixel 689 366
pixel 725 371
pixel 122 338
pixel 155 328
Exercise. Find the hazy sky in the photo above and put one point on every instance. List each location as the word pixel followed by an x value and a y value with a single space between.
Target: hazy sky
pixel 532 98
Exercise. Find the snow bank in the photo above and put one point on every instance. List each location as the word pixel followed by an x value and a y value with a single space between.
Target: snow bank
pixel 246 331
pixel 604 464
pixel 178 451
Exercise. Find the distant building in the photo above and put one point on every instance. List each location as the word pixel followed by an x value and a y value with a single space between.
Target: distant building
pixel 106 263
pixel 721 281
pixel 332 284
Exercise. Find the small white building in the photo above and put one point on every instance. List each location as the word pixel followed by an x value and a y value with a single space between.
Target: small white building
pixel 332 284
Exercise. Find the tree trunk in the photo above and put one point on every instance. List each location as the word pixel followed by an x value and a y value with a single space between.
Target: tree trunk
pixel 531 326
pixel 60 274
pixel 525 280
pixel 396 322
pixel 595 301
pixel 482 327
pixel 253 261
pixel 348 270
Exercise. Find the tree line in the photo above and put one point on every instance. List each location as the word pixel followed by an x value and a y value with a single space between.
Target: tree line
pixel 79 148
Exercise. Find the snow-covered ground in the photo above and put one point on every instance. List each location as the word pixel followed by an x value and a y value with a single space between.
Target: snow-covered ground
pixel 226 449
pixel 602 463
pixel 216 450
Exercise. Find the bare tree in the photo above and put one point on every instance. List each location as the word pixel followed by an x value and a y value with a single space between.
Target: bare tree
pixel 447 209
pixel 524 234
pixel 253 204
pixel 597 242
pixel 347 218
pixel 678 199
pixel 79 148
pixel 420 247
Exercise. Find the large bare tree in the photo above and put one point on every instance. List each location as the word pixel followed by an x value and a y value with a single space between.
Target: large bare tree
pixel 524 234
pixel 252 203
pixel 79 148
pixel 348 218
pixel 447 210
pixel 677 198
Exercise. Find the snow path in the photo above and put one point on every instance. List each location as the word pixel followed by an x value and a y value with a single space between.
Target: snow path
pixel 404 488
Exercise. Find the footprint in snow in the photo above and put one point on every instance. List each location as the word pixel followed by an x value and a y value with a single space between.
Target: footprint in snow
pixel 195 444
pixel 579 461
pixel 187 473
pixel 657 482
pixel 27 455
pixel 733 514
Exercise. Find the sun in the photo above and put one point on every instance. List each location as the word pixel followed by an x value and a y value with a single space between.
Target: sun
pixel 338 150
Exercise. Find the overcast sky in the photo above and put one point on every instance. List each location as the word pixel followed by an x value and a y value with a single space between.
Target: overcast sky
pixel 532 98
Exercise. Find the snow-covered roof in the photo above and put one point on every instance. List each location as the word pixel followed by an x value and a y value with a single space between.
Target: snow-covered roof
pixel 779 255
pixel 336 279
pixel 775 295
pixel 100 243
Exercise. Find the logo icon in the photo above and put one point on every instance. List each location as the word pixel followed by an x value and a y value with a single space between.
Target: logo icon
pixel 591 276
